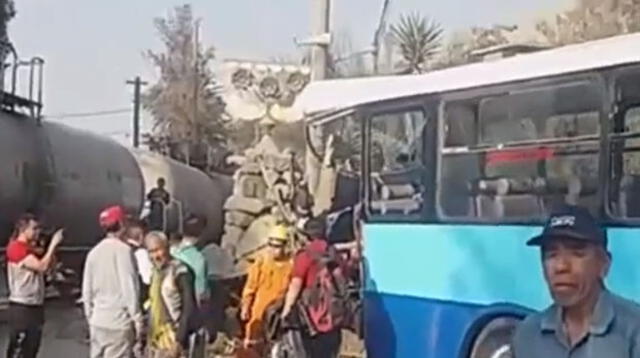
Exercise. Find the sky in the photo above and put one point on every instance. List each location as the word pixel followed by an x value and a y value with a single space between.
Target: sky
pixel 91 47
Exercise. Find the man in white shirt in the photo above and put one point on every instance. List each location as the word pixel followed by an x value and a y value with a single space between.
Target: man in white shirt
pixel 134 236
pixel 111 292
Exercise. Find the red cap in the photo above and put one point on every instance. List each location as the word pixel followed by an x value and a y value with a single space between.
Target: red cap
pixel 111 216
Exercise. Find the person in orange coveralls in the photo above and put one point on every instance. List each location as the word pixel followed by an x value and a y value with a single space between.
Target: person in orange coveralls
pixel 267 281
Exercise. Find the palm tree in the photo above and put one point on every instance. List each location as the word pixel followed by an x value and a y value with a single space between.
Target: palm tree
pixel 418 39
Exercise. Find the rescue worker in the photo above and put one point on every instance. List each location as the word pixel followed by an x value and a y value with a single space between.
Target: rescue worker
pixel 267 281
pixel 172 302
pixel 314 260
pixel 111 291
pixel 585 319
pixel 25 274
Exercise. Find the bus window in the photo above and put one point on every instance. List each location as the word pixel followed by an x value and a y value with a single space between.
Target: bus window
pixel 624 186
pixel 347 142
pixel 397 169
pixel 626 166
pixel 532 150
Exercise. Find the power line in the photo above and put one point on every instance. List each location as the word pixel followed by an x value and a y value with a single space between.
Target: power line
pixel 89 114
pixel 115 133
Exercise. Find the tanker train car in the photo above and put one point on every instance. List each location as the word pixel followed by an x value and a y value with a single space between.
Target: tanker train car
pixel 193 191
pixel 67 176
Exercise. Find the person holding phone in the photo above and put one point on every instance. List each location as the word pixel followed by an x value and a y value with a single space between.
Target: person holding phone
pixel 25 272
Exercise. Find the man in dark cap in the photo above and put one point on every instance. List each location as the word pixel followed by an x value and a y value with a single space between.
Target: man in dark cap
pixel 585 320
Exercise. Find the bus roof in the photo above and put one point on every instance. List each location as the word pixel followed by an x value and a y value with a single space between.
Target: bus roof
pixel 333 95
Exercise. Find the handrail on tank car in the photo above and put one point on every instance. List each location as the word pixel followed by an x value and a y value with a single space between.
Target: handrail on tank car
pixel 165 214
pixel 35 64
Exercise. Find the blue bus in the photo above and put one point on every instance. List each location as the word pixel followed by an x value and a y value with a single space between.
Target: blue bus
pixel 458 168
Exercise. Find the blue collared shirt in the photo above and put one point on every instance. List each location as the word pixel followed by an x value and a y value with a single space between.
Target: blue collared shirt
pixel 614 333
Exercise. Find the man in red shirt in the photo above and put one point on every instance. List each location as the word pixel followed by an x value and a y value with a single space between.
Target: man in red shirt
pixel 324 343
pixel 25 273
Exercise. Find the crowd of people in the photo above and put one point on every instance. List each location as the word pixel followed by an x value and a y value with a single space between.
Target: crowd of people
pixel 142 294
pixel 147 294
pixel 300 299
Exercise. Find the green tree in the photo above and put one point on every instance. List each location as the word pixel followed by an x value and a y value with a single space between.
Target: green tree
pixel 187 109
pixel 418 39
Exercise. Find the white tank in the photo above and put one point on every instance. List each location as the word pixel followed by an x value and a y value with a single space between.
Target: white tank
pixel 194 191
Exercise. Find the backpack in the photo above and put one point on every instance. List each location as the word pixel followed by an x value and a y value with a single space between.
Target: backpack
pixel 290 345
pixel 324 304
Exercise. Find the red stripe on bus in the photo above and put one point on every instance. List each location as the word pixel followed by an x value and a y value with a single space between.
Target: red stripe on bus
pixel 519 155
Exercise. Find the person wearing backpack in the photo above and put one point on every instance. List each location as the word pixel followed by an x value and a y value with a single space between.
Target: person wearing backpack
pixel 318 288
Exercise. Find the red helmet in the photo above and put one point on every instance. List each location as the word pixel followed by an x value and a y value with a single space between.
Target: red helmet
pixel 111 216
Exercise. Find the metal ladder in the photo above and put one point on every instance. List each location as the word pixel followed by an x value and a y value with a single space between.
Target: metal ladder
pixel 32 100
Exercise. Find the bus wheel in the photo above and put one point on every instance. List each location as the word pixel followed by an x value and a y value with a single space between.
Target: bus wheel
pixel 494 340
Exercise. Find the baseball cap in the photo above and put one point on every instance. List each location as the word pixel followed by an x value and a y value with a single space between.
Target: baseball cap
pixel 571 222
pixel 111 216
pixel 316 228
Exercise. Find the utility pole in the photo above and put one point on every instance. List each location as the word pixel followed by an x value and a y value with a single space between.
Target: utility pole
pixel 379 35
pixel 137 84
pixel 193 135
pixel 320 26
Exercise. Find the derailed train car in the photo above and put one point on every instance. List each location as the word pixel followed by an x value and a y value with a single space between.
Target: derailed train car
pixel 67 176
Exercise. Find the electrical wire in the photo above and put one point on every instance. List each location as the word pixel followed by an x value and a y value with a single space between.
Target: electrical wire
pixel 89 114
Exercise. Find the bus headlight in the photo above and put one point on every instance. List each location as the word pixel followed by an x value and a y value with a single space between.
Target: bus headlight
pixel 494 340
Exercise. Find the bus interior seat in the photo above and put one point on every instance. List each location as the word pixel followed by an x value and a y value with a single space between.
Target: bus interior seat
pixel 395 193
pixel 404 206
pixel 556 191
pixel 508 189
pixel 496 207
pixel 525 196
pixel 501 197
